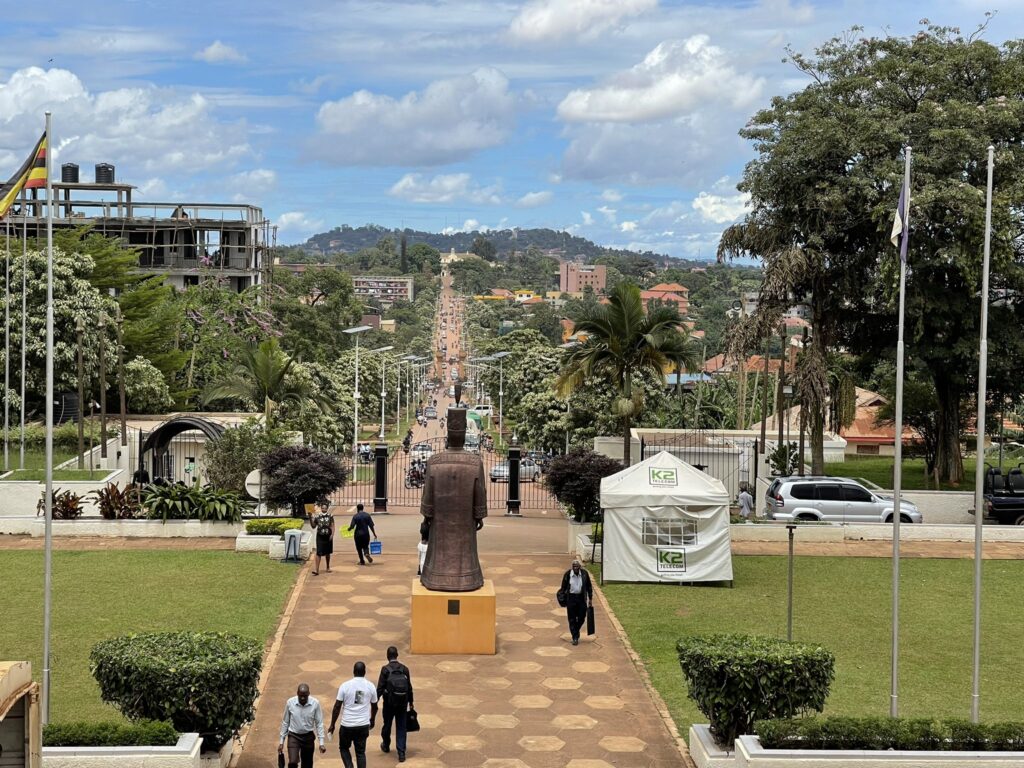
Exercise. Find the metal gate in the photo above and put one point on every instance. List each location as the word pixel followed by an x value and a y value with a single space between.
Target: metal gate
pixel 728 458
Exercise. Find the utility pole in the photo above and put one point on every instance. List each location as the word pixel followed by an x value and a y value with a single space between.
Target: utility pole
pixel 119 320
pixel 79 333
pixel 764 396
pixel 103 388
pixel 782 376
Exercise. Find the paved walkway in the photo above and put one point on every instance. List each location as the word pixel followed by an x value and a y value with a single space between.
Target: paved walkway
pixel 538 703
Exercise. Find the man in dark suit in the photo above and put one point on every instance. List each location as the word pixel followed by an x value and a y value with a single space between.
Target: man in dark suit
pixel 394 686
pixel 579 593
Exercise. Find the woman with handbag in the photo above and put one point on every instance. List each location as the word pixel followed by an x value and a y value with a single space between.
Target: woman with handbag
pixel 579 595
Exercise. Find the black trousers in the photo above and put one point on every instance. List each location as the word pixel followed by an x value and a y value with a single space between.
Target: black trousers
pixel 353 736
pixel 362 547
pixel 300 747
pixel 576 610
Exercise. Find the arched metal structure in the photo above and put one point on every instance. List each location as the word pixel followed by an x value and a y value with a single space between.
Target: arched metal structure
pixel 158 442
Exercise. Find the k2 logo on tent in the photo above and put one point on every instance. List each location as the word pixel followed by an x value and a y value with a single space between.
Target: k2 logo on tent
pixel 663 476
pixel 671 559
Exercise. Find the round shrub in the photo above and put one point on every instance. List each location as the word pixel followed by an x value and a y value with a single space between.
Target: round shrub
pixel 202 682
pixel 295 475
pixel 145 733
pixel 737 680
pixel 272 526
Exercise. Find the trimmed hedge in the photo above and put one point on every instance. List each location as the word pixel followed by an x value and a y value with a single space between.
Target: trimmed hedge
pixel 273 526
pixel 887 733
pixel 144 733
pixel 202 682
pixel 737 680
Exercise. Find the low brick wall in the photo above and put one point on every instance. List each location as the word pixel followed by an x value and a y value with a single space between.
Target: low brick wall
pixel 184 754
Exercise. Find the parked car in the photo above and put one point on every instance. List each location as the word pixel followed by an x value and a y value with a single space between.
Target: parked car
pixel 483 410
pixel 1004 495
pixel 529 472
pixel 430 412
pixel 421 451
pixel 832 499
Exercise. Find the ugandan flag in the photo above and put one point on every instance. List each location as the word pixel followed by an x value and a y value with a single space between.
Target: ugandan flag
pixel 31 175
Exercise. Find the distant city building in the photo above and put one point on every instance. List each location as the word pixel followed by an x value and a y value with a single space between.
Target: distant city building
pixel 386 290
pixel 451 257
pixel 669 293
pixel 750 301
pixel 181 241
pixel 574 277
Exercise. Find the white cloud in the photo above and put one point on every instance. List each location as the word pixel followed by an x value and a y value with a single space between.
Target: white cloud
pixel 153 189
pixel 220 53
pixel 449 120
pixel 251 185
pixel 443 188
pixel 143 130
pixel 588 220
pixel 297 225
pixel 628 226
pixel 672 80
pixel 609 213
pixel 535 199
pixel 472 225
pixel 546 20
pixel 721 209
pixel 611 195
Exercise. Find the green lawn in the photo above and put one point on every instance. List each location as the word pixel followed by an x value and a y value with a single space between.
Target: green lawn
pixel 35 459
pixel 845 604
pixel 97 595
pixel 879 471
pixel 39 475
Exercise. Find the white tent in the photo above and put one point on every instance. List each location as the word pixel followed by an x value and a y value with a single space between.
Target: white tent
pixel 664 520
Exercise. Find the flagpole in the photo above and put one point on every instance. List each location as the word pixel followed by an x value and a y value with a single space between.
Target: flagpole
pixel 898 453
pixel 24 313
pixel 48 497
pixel 7 346
pixel 979 470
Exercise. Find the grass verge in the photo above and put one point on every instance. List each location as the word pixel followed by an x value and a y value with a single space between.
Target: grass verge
pixel 97 595
pixel 879 472
pixel 845 604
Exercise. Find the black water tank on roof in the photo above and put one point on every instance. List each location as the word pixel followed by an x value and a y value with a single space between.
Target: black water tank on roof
pixel 104 173
pixel 69 173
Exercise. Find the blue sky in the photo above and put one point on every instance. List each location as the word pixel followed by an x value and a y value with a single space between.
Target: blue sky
pixel 614 119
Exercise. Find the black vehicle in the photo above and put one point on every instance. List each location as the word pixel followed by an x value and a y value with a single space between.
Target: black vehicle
pixel 1004 495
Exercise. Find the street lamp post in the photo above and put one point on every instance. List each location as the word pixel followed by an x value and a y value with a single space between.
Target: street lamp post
pixel 500 357
pixel 355 331
pixel 383 391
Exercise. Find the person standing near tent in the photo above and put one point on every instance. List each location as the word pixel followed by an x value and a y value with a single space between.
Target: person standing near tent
pixel 579 594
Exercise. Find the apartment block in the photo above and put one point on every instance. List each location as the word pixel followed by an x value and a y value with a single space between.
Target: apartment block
pixel 386 290
pixel 574 277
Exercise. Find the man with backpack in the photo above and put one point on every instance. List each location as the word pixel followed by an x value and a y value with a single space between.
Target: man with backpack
pixel 394 687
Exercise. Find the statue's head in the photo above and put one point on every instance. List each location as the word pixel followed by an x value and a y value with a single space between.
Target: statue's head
pixel 458 392
pixel 456 428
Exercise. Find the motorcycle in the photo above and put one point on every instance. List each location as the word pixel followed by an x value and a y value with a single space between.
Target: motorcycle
pixel 415 476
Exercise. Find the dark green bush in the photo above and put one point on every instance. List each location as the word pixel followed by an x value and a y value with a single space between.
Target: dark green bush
pixel 887 733
pixel 272 526
pixel 191 502
pixel 575 480
pixel 295 475
pixel 117 504
pixel 203 682
pixel 144 733
pixel 737 680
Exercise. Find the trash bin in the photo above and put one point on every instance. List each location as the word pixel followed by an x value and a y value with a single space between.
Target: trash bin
pixel 292 540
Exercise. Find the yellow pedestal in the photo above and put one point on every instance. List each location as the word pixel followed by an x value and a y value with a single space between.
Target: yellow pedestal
pixel 453 622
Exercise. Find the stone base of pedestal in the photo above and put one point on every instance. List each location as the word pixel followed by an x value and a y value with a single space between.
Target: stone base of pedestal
pixel 453 622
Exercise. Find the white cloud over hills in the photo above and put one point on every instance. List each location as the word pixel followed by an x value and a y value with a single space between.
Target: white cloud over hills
pixel 549 20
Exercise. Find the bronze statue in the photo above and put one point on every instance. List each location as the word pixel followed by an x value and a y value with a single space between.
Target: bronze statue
pixel 454 505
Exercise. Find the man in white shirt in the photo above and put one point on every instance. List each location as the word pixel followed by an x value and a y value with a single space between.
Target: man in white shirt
pixel 746 503
pixel 357 705
pixel 302 718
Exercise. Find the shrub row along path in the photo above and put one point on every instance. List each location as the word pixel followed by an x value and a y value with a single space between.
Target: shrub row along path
pixel 538 703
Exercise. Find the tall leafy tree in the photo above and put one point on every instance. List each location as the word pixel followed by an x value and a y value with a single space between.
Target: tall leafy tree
pixel 623 342
pixel 823 192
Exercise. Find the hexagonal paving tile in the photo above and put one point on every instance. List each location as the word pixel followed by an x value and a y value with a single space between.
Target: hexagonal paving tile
pixel 578 763
pixel 541 743
pixel 332 610
pixel 366 577
pixel 498 683
pixel 525 667
pixel 551 650
pixel 419 762
pixel 457 702
pixel 561 683
pixel 339 588
pixel 498 721
pixel 622 744
pixel 530 702
pixel 395 589
pixel 392 611
pixel 510 610
pixel 501 570
pixel 361 652
pixel 604 702
pixel 364 599
pixel 321 635
pixel 505 762
pixel 455 666
pixel 574 722
pixel 551 570
pixel 526 579
pixel 542 624
pixel 429 720
pixel 520 561
pixel 515 637
pixel 425 682
pixel 318 665
pixel 597 667
pixel 506 589
pixel 360 623
pixel 459 742
pixel 534 600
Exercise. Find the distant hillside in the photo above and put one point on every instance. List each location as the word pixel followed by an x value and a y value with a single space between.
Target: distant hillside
pixel 352 239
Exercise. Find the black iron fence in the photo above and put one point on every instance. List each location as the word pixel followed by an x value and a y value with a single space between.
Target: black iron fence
pixel 729 458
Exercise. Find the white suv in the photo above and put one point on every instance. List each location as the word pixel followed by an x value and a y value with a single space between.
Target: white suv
pixel 834 500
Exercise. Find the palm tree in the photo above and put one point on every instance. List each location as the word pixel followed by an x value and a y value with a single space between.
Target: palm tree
pixel 623 341
pixel 261 376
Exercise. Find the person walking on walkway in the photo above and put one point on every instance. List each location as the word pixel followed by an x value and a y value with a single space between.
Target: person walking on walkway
pixel 746 503
pixel 362 524
pixel 323 524
pixel 302 725
pixel 357 705
pixel 394 685
pixel 579 594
